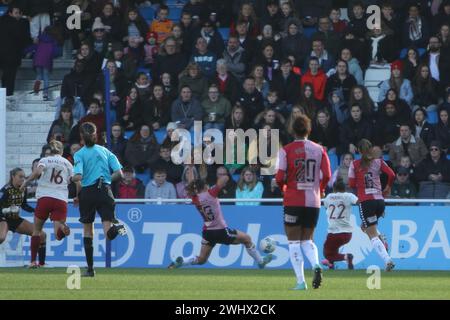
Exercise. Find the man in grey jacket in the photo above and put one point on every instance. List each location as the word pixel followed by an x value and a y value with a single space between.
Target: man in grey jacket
pixel 235 58
pixel 186 109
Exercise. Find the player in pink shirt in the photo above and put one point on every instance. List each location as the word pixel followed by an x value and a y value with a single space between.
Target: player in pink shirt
pixel 303 172
pixel 215 228
pixel 364 175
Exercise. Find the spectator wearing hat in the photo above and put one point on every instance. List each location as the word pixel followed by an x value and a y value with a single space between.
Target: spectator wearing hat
pixel 433 174
pixel 151 48
pixel 213 38
pixel 407 145
pixel 397 82
pixel 403 188
pixel 129 187
pixel 99 40
pixel 162 25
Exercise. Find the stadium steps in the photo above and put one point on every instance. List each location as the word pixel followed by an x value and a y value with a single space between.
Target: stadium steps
pixel 61 67
pixel 27 128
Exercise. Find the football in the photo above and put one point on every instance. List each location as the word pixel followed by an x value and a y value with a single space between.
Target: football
pixel 267 245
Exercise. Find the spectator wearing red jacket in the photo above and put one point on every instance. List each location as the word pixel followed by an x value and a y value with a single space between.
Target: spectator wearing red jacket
pixel 129 187
pixel 317 78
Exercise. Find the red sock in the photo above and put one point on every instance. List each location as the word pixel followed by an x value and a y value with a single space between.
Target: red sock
pixel 60 235
pixel 35 241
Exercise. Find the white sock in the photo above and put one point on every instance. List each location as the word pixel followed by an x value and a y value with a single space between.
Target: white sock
pixel 254 253
pixel 295 253
pixel 190 261
pixel 380 249
pixel 311 252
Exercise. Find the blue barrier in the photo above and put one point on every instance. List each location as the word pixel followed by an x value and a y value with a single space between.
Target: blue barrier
pixel 418 238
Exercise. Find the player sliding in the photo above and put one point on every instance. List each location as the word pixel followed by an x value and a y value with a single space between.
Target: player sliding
pixel 300 166
pixel 339 211
pixel 54 173
pixel 215 229
pixel 12 198
pixel 364 175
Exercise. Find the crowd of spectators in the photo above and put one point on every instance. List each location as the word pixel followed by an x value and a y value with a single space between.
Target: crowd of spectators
pixel 280 59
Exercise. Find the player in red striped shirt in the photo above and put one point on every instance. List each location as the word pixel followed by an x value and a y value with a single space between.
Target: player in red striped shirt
pixel 364 175
pixel 300 166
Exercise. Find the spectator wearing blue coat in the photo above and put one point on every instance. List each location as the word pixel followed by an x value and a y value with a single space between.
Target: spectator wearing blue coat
pixel 248 187
pixel 204 58
pixel 398 83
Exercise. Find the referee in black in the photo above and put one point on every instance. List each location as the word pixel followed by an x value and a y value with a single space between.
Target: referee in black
pixel 92 175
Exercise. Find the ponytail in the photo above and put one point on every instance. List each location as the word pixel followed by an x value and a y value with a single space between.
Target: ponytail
pixel 365 148
pixel 88 132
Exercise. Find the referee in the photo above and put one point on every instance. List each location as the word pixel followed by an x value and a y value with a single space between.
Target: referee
pixel 93 167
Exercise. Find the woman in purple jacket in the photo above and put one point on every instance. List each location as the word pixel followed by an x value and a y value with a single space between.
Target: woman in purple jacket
pixel 43 60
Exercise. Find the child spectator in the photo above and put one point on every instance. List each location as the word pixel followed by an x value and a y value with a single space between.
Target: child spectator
pixel 129 187
pixel 151 49
pixel 159 187
pixel 162 25
pixel 248 187
pixel 338 24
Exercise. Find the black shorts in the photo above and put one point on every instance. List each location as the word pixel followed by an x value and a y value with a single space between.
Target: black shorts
pixel 371 211
pixel 93 199
pixel 13 224
pixel 301 216
pixel 220 236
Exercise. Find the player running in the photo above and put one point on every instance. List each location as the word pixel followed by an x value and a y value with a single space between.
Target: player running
pixel 364 175
pixel 339 211
pixel 55 173
pixel 215 229
pixel 300 166
pixel 12 198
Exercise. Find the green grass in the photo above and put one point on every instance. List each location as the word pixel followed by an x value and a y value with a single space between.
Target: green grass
pixel 218 284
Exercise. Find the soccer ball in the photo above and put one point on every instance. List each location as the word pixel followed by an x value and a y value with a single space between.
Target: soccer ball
pixel 267 245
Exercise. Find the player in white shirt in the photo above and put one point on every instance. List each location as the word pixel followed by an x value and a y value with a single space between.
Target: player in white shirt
pixel 54 173
pixel 339 211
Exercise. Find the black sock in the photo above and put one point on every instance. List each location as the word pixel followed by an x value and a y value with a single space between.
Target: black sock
pixel 42 251
pixel 89 252
pixel 112 233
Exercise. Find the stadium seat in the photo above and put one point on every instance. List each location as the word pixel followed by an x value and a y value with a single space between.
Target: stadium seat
pixel 374 76
pixel 148 13
pixel 374 93
pixel 175 13
pixel 225 32
pixel 128 134
pixel 309 31
pixel 334 161
pixel 236 177
pixel 160 135
pixel 144 177
pixel 176 3
pixel 3 10
pixel 344 14
pixel 432 117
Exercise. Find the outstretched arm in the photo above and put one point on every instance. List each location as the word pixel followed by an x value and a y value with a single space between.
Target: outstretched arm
pixel 33 176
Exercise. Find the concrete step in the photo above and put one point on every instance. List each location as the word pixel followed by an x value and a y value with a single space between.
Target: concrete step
pixel 27 85
pixel 28 128
pixel 23 149
pixel 15 138
pixel 61 67
pixel 29 117
pixel 36 106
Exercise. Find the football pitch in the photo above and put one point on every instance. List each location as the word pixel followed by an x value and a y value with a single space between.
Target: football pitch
pixel 188 284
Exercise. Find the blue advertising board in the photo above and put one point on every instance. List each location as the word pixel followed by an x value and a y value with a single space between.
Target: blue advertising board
pixel 418 238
